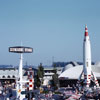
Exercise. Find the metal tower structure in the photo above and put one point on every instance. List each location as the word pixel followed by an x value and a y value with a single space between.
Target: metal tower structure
pixel 19 80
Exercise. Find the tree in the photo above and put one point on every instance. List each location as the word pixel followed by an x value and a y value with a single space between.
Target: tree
pixel 40 71
pixel 55 81
pixel 40 75
pixel 37 81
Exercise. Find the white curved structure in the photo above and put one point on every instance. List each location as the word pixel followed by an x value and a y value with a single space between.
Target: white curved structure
pixel 74 72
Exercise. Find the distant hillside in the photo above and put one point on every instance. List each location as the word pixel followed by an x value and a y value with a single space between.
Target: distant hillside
pixel 56 64
pixel 6 66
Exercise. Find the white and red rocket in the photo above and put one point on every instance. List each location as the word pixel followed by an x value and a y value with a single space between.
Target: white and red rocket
pixel 87 71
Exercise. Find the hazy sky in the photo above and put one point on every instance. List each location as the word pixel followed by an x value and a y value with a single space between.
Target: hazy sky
pixel 54 28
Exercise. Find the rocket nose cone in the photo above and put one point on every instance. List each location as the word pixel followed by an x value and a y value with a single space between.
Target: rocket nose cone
pixel 86 30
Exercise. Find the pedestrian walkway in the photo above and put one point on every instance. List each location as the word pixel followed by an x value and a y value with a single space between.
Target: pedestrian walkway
pixel 75 97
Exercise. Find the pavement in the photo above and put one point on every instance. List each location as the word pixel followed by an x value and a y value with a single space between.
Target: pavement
pixel 11 94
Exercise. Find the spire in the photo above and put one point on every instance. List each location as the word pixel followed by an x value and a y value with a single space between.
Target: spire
pixel 86 30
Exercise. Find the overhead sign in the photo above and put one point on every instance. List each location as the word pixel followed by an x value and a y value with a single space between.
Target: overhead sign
pixel 21 49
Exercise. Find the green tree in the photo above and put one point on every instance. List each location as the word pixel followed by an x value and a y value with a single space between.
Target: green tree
pixel 55 80
pixel 39 76
pixel 37 81
pixel 40 73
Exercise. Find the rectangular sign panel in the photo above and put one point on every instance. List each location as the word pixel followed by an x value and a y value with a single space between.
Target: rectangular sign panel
pixel 20 49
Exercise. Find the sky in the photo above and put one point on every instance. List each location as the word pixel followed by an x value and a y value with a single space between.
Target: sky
pixel 53 28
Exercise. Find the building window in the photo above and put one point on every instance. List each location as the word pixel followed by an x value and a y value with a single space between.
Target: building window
pixel 3 76
pixel 8 76
pixel 13 76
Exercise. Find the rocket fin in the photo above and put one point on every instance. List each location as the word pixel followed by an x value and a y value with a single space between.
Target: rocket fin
pixel 95 80
pixel 80 76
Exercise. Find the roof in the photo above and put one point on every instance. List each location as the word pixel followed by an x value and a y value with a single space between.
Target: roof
pixel 74 72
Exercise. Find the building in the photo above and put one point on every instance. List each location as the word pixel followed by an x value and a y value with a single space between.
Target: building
pixel 70 74
pixel 9 75
pixel 49 72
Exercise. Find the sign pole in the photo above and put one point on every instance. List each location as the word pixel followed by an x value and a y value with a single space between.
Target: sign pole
pixel 19 83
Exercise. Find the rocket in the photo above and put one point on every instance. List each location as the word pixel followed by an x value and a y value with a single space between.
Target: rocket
pixel 87 71
pixel 87 58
